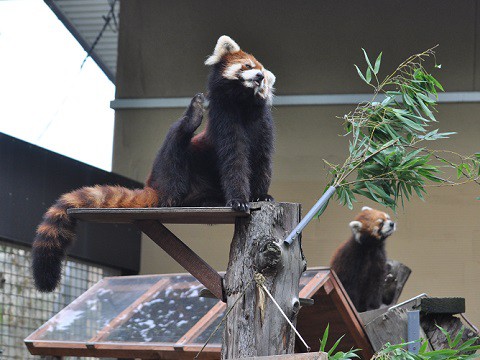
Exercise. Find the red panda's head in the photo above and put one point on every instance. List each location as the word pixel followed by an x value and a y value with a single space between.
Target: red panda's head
pixel 239 66
pixel 371 224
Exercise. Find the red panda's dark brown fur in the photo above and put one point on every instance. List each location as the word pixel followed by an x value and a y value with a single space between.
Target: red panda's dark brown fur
pixel 230 163
pixel 360 262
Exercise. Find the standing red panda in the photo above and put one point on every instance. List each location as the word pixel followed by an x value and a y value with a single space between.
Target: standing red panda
pixel 360 262
pixel 229 163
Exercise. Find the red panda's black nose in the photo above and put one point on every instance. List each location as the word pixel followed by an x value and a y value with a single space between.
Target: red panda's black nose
pixel 259 77
pixel 392 224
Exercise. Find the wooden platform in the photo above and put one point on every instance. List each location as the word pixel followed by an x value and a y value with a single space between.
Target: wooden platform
pixel 165 215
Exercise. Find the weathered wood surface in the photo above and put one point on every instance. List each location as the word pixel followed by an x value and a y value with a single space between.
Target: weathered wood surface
pixel 449 323
pixel 306 356
pixel 389 327
pixel 255 327
pixel 397 276
pixel 166 215
pixel 332 306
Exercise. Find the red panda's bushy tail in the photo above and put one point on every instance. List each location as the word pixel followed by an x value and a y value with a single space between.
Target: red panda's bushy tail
pixel 56 232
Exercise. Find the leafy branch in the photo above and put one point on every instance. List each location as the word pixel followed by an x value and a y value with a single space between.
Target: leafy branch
pixel 388 160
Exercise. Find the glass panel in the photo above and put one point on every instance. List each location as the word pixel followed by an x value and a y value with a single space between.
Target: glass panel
pixel 164 317
pixel 217 337
pixel 82 321
pixel 170 313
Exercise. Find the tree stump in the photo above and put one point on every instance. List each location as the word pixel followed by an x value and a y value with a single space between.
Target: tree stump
pixel 397 276
pixel 255 326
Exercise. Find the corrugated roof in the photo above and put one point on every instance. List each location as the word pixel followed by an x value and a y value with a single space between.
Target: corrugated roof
pixel 86 19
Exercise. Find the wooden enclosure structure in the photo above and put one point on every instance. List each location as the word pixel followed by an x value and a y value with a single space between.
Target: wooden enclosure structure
pixel 257 247
pixel 89 327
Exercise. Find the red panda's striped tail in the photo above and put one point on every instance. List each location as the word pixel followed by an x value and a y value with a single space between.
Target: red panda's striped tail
pixel 56 232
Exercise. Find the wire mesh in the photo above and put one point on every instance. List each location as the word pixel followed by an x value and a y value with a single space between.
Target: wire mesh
pixel 23 309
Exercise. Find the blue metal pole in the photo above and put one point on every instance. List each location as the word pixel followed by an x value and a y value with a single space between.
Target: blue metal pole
pixel 313 211
pixel 413 330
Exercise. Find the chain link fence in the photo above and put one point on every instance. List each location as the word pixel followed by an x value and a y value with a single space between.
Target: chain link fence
pixel 24 309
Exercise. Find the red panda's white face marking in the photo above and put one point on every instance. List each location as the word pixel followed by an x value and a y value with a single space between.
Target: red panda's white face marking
pixel 372 223
pixel 238 65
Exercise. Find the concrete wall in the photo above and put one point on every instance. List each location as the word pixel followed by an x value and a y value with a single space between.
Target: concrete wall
pixel 311 46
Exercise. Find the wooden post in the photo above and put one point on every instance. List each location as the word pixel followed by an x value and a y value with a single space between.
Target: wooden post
pixel 255 326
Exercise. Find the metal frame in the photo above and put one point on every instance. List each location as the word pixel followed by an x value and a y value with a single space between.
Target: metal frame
pixel 84 43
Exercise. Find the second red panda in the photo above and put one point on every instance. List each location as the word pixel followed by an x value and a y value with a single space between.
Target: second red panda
pixel 360 262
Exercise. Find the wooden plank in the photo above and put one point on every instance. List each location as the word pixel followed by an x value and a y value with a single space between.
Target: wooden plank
pixel 166 215
pixel 351 318
pixel 333 307
pixel 121 350
pixel 391 327
pixel 315 283
pixel 182 254
pixel 303 356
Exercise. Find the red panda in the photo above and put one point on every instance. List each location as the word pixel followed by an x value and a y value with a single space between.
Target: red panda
pixel 229 163
pixel 360 262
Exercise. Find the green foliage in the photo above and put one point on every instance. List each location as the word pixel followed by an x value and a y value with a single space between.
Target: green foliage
pixel 388 160
pixel 339 355
pixel 455 351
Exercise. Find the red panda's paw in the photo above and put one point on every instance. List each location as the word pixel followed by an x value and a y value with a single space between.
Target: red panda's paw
pixel 239 205
pixel 263 197
pixel 194 114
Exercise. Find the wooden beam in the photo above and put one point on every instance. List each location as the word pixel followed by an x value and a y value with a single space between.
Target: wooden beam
pixel 166 215
pixel 182 254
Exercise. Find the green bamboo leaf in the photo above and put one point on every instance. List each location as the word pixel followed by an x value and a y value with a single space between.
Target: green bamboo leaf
pixel 436 83
pixel 425 109
pixel 330 352
pixel 424 347
pixel 360 74
pixel 368 75
pixel 426 98
pixel 465 346
pixel 458 337
pixel 377 64
pixel 367 60
pixel 323 342
pixel 381 192
pixel 446 334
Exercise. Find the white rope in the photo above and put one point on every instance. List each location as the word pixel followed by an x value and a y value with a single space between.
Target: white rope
pixel 260 280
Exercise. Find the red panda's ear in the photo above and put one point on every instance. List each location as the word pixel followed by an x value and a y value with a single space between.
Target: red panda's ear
pixel 366 208
pixel 269 77
pixel 356 226
pixel 225 45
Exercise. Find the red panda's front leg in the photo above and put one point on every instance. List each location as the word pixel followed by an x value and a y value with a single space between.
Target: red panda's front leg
pixel 261 153
pixel 231 147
